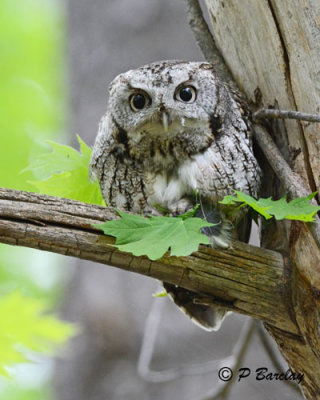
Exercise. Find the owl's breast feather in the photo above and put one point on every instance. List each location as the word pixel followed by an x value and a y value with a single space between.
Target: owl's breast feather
pixel 165 189
pixel 190 175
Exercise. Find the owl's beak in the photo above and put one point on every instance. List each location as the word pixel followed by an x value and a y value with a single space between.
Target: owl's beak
pixel 165 121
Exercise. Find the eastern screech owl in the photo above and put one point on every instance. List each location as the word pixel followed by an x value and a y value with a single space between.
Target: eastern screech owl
pixel 172 128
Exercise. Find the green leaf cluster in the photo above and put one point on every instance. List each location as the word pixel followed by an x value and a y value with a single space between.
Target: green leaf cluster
pixel 32 97
pixel 155 235
pixel 64 173
pixel 298 209
pixel 32 109
pixel 24 325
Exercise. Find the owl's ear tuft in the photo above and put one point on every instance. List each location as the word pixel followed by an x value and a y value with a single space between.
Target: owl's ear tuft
pixel 120 78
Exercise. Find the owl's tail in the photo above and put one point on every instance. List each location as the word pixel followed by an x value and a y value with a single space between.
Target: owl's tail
pixel 220 234
pixel 208 317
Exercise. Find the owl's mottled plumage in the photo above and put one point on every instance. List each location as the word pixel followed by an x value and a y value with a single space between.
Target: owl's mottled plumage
pixel 171 128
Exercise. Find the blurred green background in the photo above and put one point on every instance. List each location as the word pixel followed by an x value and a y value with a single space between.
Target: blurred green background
pixel 32 110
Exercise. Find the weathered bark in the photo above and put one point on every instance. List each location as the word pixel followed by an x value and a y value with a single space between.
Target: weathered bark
pixel 273 50
pixel 243 278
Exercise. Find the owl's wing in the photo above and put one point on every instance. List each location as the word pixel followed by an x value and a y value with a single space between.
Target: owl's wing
pixel 208 317
pixel 101 148
pixel 106 164
pixel 228 164
pixel 122 182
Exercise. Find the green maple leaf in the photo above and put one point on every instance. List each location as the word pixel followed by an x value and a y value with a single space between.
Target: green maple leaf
pixel 64 173
pixel 297 209
pixel 154 236
pixel 25 326
pixel 243 199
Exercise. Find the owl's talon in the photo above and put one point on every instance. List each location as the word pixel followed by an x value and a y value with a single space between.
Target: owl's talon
pixel 180 207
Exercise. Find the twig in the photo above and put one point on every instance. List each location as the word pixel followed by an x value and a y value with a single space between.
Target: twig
pixel 169 374
pixel 292 182
pixel 239 352
pixel 206 42
pixel 283 114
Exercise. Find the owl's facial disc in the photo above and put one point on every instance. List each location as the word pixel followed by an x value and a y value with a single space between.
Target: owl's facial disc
pixel 165 121
pixel 160 113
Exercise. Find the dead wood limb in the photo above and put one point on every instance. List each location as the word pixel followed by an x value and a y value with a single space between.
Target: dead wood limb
pixel 291 181
pixel 272 49
pixel 246 279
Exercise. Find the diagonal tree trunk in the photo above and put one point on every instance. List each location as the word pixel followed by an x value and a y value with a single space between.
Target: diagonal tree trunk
pixel 272 48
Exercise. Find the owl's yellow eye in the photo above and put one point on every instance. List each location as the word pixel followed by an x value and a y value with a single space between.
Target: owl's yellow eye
pixel 186 94
pixel 138 101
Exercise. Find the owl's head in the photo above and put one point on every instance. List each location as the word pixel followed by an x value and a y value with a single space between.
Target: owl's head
pixel 162 98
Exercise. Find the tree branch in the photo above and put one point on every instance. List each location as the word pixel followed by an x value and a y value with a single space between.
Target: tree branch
pixel 292 182
pixel 243 278
pixel 271 113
